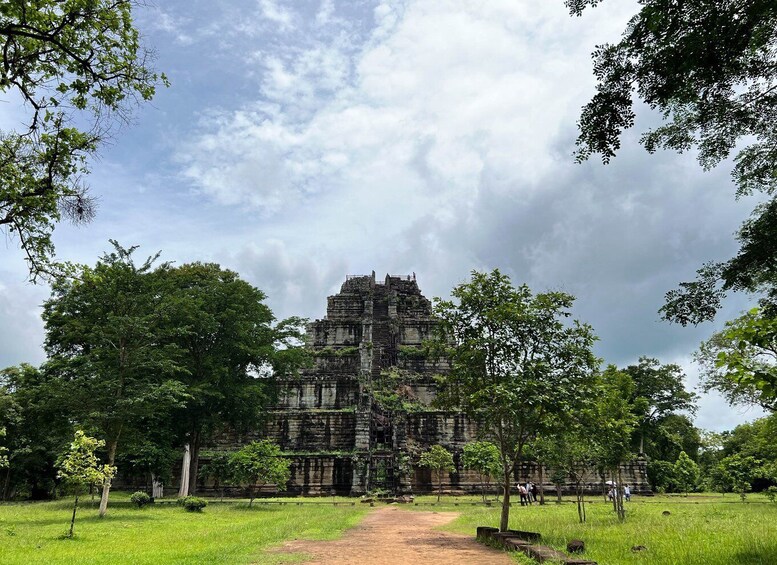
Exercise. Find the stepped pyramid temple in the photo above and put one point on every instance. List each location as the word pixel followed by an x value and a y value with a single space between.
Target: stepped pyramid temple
pixel 357 419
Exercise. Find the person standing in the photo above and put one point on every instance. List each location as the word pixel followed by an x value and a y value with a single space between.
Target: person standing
pixel 627 493
pixel 522 492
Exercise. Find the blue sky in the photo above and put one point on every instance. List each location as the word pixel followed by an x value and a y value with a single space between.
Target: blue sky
pixel 303 141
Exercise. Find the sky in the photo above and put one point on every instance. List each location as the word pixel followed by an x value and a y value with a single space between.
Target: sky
pixel 303 141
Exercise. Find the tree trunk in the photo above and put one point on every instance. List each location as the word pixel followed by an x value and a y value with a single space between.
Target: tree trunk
pixel 619 497
pixel 580 504
pixel 6 483
pixel 157 488
pixel 195 462
pixel 558 493
pixel 505 518
pixel 642 442
pixel 439 485
pixel 107 484
pixel 183 490
pixel 542 484
pixel 251 495
pixel 73 519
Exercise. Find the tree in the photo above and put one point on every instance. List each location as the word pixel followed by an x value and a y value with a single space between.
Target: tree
pixel 260 462
pixel 105 342
pixel 80 468
pixel 231 348
pixel 71 62
pixel 615 419
pixel 570 451
pixel 659 390
pixel 710 68
pixel 34 413
pixel 218 469
pixel 483 458
pixel 740 361
pixel 686 473
pixel 514 362
pixel 440 461
pixel 739 471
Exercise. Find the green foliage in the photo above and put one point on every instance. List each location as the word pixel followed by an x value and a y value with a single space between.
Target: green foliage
pixel 337 352
pixel 661 475
pixel 739 361
pixel 515 361
pixel 659 391
pixel 260 462
pixel 105 338
pixel 686 473
pixel 140 499
pixel 440 461
pixel 391 391
pixel 227 337
pixel 193 503
pixel 79 468
pixel 218 469
pixel 709 68
pixel 483 458
pixel 71 62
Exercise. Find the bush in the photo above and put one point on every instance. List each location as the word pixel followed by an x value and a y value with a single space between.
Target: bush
pixel 140 499
pixel 771 493
pixel 193 503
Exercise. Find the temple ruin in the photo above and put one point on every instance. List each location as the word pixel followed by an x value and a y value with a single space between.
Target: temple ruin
pixel 357 419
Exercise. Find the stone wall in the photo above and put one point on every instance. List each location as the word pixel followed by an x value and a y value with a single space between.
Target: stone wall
pixel 329 423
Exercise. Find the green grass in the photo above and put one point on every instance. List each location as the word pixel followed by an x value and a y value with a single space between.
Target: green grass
pixel 222 533
pixel 701 529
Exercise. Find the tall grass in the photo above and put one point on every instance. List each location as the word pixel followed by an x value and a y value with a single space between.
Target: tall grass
pixel 698 531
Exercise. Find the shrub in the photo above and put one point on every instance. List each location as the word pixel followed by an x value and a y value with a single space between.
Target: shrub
pixel 193 503
pixel 771 493
pixel 140 499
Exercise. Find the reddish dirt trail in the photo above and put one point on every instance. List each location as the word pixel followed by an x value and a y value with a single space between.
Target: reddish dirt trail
pixel 388 536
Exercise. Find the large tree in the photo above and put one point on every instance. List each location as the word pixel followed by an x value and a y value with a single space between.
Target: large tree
pixel 710 68
pixel 106 342
pixel 78 66
pixel 231 347
pixel 659 390
pixel 517 362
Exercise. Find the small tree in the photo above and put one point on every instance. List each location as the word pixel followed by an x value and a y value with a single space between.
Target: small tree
pixel 440 461
pixel 483 458
pixel 218 469
pixel 260 462
pixel 740 471
pixel 80 468
pixel 686 473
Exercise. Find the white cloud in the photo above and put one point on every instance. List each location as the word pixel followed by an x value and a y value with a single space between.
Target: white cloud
pixel 277 14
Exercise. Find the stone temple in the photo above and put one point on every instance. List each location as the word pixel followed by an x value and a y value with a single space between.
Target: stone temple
pixel 357 419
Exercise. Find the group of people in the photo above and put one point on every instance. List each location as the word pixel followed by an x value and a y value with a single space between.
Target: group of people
pixel 528 493
pixel 626 492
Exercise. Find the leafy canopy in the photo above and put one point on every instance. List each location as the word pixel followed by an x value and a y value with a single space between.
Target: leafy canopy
pixel 78 65
pixel 741 360
pixel 516 363
pixel 80 467
pixel 710 68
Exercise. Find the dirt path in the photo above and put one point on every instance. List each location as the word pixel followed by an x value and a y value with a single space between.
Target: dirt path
pixel 390 536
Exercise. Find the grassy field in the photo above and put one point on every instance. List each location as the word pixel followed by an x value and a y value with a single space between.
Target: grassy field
pixel 222 533
pixel 701 529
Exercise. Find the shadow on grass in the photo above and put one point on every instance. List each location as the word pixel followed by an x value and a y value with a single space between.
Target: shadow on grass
pixel 757 556
pixel 86 518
